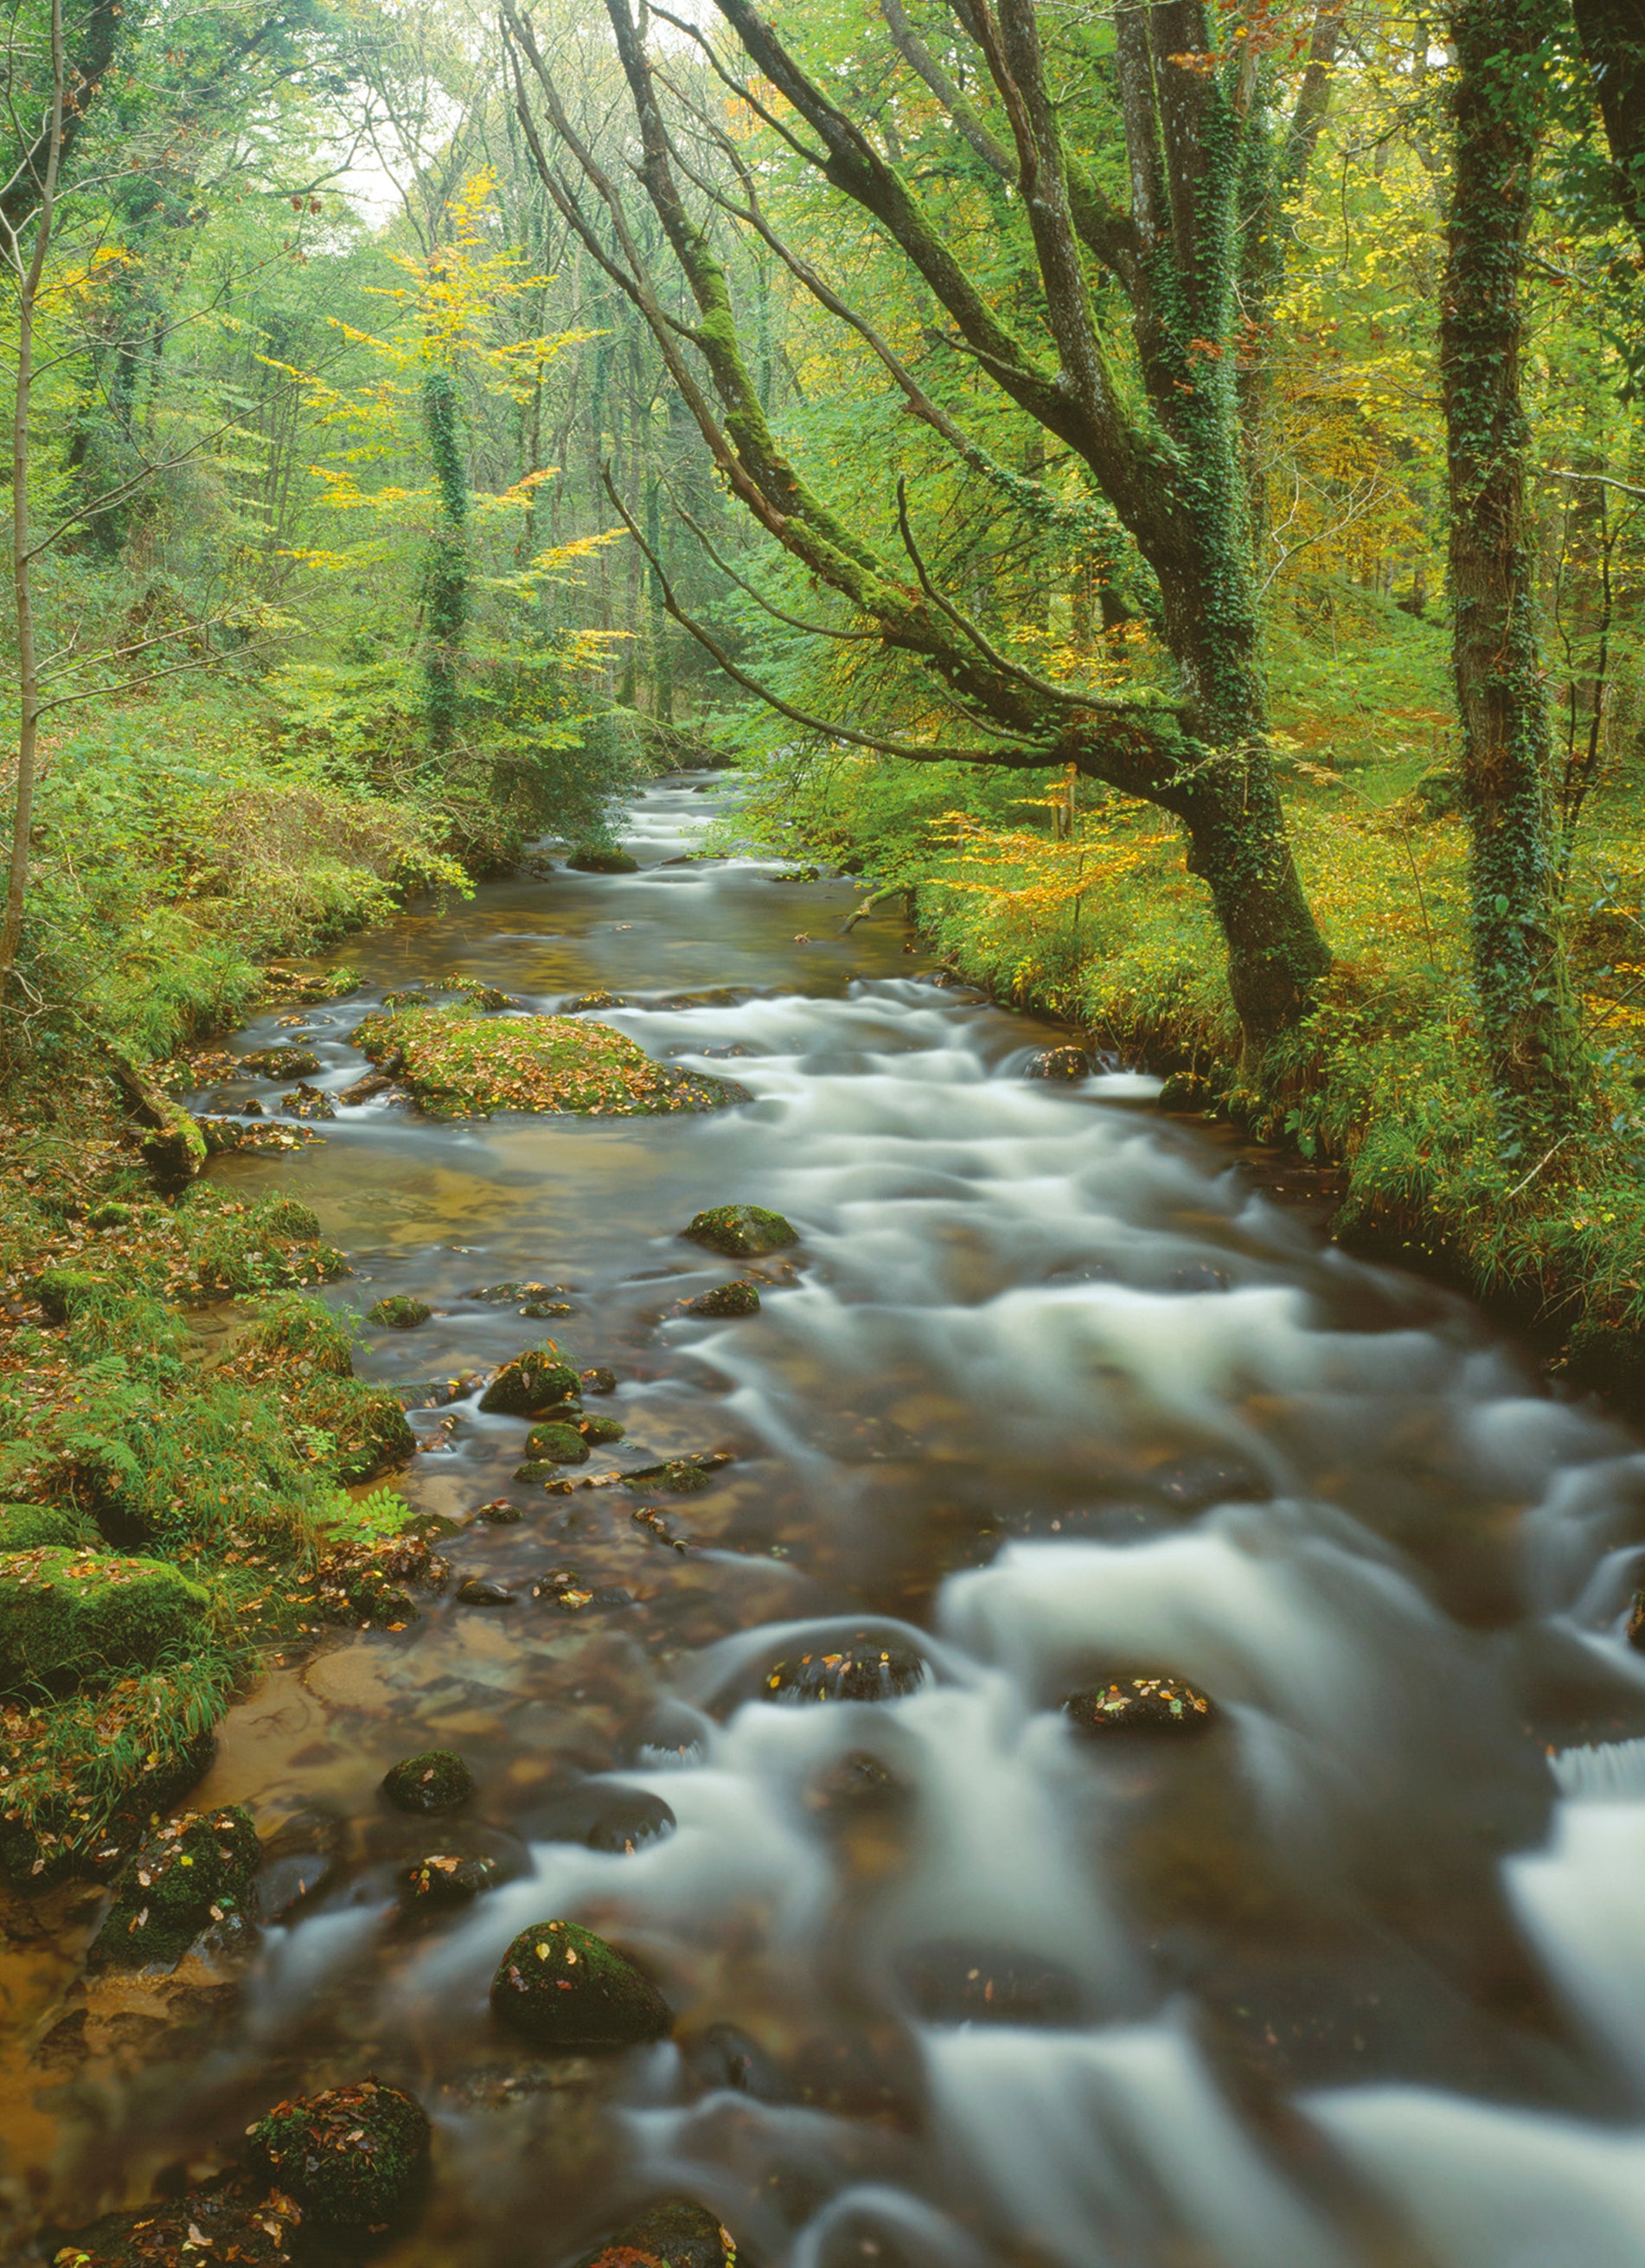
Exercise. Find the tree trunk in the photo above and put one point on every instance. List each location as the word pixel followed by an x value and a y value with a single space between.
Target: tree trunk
pixel 445 618
pixel 28 272
pixel 1612 34
pixel 1527 1010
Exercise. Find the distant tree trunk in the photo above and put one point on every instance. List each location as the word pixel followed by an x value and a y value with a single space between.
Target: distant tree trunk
pixel 1612 34
pixel 1527 1009
pixel 446 594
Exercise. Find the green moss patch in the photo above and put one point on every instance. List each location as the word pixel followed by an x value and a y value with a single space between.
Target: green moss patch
pixel 742 1230
pixel 535 1380
pixel 398 1313
pixel 69 1617
pixel 195 1875
pixel 460 1064
pixel 559 1444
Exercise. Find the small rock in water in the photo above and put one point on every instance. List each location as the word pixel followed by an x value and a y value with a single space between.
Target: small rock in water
pixel 435 1780
pixel 305 1101
pixel 587 1000
pixel 195 1873
pixel 235 2220
pixel 499 1295
pixel 285 1882
pixel 400 1313
pixel 560 1985
pixel 538 1310
pixel 725 1299
pixel 604 1817
pixel 961 1984
pixel 366 1089
pixel 599 1382
pixel 353 2158
pixel 1636 1622
pixel 1059 1063
pixel 499 1513
pixel 1194 1484
pixel 742 1230
pixel 679 2233
pixel 858 1783
pixel 724 2056
pixel 597 1431
pixel 1140 1705
pixel 595 858
pixel 532 1382
pixel 556 1445
pixel 866 1669
pixel 679 1475
pixel 481 1591
pixel 444 1879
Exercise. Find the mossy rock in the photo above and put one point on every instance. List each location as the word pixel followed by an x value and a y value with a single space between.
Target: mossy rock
pixel 353 2158
pixel 280 1063
pixel 458 1063
pixel 599 1382
pixel 597 858
pixel 865 1668
pixel 598 1432
pixel 435 1779
pixel 558 1445
pixel 234 2218
pixel 559 1985
pixel 305 1101
pixel 1065 1063
pixel 370 1428
pixel 535 1380
pixel 678 1476
pixel 1140 1704
pixel 678 2233
pixel 398 1313
pixel 196 1874
pixel 1636 1622
pixel 67 1616
pixel 725 1299
pixel 742 1231
pixel 24 1526
pixel 59 1290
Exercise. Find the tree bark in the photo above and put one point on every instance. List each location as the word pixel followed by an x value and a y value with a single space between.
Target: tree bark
pixel 1527 1011
pixel 1612 35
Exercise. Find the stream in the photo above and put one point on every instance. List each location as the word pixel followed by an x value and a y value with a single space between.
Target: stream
pixel 1049 1392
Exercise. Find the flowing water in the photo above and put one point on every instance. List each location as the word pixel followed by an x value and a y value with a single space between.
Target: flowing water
pixel 1048 1392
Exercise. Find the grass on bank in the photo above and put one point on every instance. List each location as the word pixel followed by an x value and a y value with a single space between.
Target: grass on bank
pixel 1386 1078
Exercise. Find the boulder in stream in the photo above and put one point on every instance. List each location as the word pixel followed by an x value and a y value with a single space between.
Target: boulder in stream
pixel 598 1432
pixel 444 1879
pixel 602 858
pixel 599 1382
pixel 736 1298
pixel 279 1063
pixel 231 2218
pixel 742 1231
pixel 678 2233
pixel 482 1591
pixel 865 1669
pixel 306 1101
pixel 353 2158
pixel 196 1874
pixel 460 1063
pixel 434 1780
pixel 560 1985
pixel 399 1312
pixel 1140 1704
pixel 533 1381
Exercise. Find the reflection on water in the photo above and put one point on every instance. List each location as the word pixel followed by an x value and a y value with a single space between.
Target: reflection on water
pixel 1047 1394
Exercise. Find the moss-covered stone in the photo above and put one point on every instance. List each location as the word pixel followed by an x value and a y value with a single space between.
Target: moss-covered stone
pixel 354 2158
pixel 725 1299
pixel 459 1063
pixel 598 1432
pixel 1064 1064
pixel 742 1231
pixel 560 1985
pixel 678 2233
pixel 398 1313
pixel 599 859
pixel 865 1668
pixel 305 1101
pixel 1140 1704
pixel 559 1444
pixel 67 1616
pixel 280 1063
pixel 196 1874
pixel 599 1382
pixel 23 1527
pixel 57 1289
pixel 435 1779
pixel 533 1381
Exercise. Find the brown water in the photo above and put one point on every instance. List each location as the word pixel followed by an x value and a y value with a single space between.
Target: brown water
pixel 1048 1391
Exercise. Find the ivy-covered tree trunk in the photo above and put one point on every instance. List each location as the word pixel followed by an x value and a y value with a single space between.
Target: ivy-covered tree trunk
pixel 1527 1005
pixel 445 580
